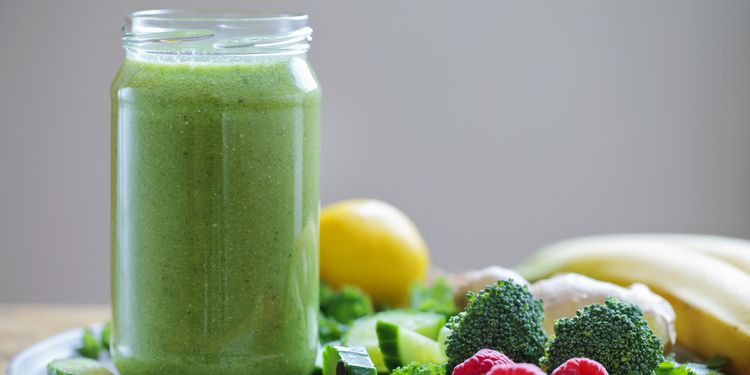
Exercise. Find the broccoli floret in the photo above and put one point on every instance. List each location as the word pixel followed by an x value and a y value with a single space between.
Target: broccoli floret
pixel 503 317
pixel 346 305
pixel 613 334
pixel 416 368
pixel 437 297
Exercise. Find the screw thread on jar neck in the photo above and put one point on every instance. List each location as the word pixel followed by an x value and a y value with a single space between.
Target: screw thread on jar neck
pixel 190 34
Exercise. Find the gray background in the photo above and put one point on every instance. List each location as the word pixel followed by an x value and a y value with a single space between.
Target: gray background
pixel 497 126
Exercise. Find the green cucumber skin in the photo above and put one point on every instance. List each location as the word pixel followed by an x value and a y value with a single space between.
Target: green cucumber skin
pixel 355 361
pixel 331 356
pixel 388 341
pixel 363 330
pixel 343 369
pixel 348 361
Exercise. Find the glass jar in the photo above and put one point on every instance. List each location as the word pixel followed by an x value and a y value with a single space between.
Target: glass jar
pixel 215 138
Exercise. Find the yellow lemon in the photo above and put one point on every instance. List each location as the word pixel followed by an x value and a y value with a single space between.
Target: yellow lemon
pixel 372 245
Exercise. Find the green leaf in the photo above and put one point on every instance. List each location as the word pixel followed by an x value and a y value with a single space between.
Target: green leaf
pixel 346 304
pixel 673 368
pixel 90 346
pixel 106 333
pixel 437 298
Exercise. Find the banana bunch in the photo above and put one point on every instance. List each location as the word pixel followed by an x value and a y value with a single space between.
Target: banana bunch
pixel 705 278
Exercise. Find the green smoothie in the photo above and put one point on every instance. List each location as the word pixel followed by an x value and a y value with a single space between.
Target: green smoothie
pixel 215 217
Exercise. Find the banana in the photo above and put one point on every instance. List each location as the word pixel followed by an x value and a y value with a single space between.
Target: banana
pixel 735 251
pixel 711 297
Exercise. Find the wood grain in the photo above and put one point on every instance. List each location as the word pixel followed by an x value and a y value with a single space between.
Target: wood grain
pixel 23 325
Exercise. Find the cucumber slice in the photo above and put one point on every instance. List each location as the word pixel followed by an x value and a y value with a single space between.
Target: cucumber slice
pixel 362 332
pixel 401 346
pixel 319 356
pixel 443 337
pixel 76 366
pixel 339 360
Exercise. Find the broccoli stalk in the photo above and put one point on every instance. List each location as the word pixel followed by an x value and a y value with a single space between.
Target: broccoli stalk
pixel 613 334
pixel 504 317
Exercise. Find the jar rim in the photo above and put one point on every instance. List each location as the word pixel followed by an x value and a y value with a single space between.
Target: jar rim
pixel 215 15
pixel 215 32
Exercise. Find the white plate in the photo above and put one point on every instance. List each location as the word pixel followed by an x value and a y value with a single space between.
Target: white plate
pixel 34 360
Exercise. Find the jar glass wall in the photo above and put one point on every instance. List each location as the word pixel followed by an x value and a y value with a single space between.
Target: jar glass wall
pixel 215 143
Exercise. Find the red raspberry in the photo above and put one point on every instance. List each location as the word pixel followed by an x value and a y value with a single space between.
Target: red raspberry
pixel 580 366
pixel 516 369
pixel 480 363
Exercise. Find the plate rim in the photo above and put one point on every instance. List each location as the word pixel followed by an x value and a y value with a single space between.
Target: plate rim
pixel 50 341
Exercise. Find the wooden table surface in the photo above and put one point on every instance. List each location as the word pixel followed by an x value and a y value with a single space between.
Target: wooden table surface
pixel 23 325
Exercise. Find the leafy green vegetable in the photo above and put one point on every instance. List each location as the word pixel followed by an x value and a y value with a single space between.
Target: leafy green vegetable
pixel 711 366
pixel 90 347
pixel 503 317
pixel 330 329
pixel 702 369
pixel 613 334
pixel 671 368
pixel 437 297
pixel 416 368
pixel 106 333
pixel 346 304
